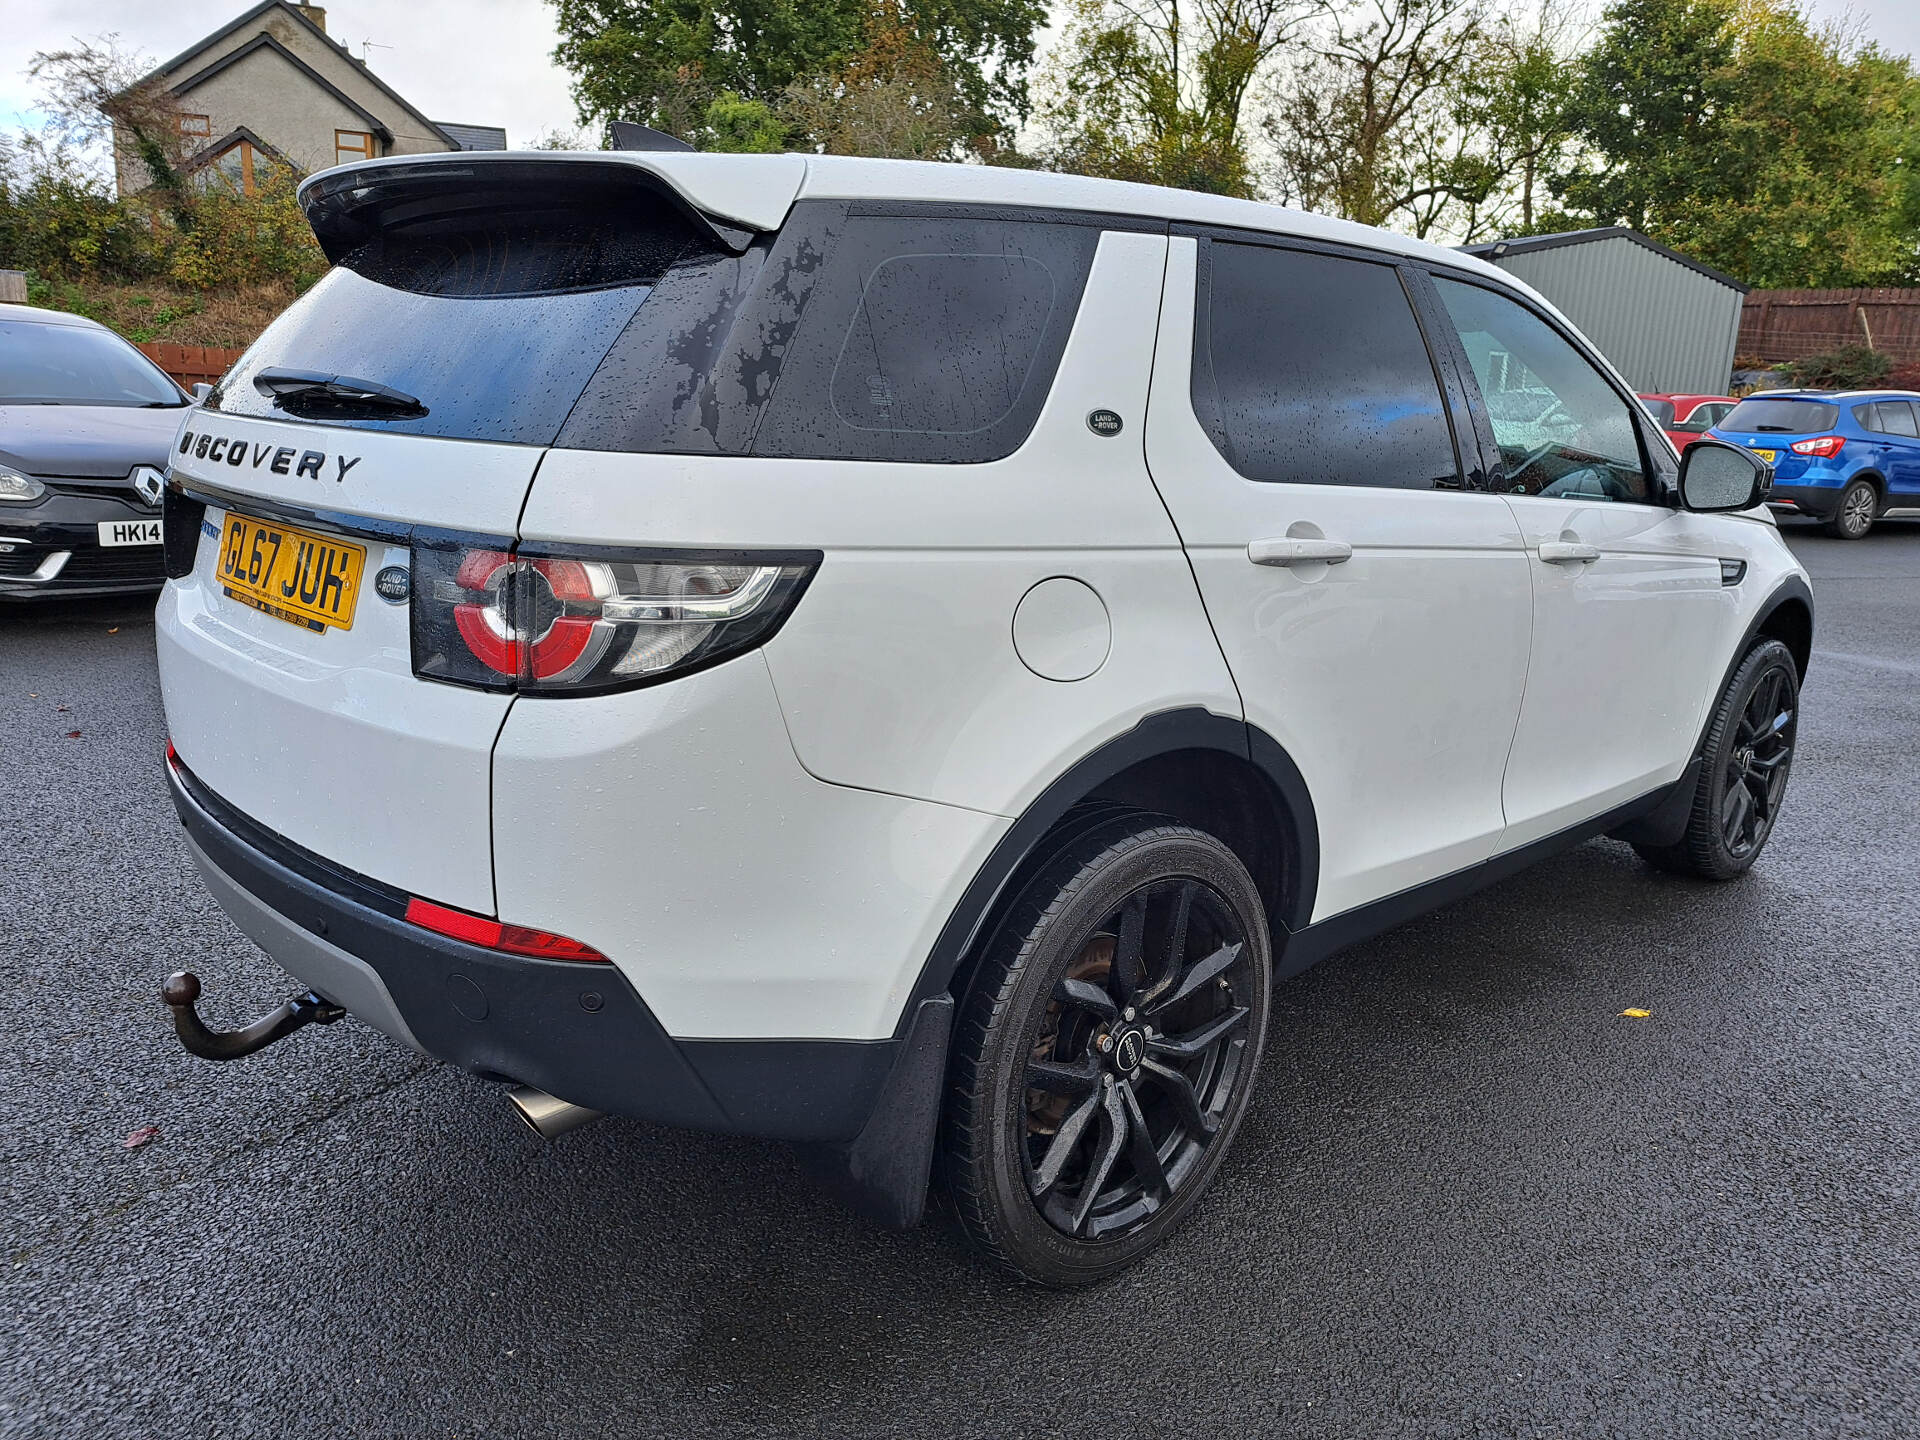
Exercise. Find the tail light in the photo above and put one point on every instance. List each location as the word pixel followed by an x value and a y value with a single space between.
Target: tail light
pixel 1826 447
pixel 551 620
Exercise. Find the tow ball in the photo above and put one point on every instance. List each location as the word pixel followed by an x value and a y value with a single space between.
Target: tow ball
pixel 183 989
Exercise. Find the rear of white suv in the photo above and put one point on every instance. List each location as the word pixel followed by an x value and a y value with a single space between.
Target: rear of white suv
pixel 699 637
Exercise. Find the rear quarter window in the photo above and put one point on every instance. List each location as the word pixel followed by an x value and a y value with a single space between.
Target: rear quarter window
pixel 850 335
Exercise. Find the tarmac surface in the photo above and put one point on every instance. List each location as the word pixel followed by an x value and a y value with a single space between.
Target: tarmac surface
pixel 1471 1199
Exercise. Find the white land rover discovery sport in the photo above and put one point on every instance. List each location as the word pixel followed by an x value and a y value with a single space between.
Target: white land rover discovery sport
pixel 903 658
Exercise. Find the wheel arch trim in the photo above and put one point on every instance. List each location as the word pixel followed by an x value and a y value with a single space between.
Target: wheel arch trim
pixel 1165 732
pixel 1791 591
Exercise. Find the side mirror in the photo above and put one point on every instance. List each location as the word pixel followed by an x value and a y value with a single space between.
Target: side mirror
pixel 1716 477
pixel 201 390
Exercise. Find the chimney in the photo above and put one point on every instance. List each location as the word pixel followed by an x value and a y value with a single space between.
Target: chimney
pixel 314 13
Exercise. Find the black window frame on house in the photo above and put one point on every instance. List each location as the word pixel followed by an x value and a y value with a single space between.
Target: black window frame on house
pixel 1234 440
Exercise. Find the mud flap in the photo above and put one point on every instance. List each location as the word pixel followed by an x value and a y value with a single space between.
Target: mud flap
pixel 1666 823
pixel 883 1172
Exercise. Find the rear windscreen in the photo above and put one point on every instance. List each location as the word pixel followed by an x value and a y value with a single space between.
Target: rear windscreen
pixel 1783 417
pixel 493 316
pixel 931 336
pixel 1661 410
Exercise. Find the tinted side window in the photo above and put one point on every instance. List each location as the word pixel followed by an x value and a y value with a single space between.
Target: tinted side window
pixel 1563 431
pixel 1896 418
pixel 1311 369
pixel 848 336
pixel 929 339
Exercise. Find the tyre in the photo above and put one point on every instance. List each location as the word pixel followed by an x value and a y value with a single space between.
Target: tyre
pixel 1106 1051
pixel 1853 517
pixel 1743 777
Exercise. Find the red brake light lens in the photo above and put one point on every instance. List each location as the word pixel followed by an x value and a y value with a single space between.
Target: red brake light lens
pixel 493 935
pixel 1826 447
pixel 576 624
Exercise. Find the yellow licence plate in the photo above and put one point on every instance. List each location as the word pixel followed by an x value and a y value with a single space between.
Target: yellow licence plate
pixel 294 575
pixel 1767 455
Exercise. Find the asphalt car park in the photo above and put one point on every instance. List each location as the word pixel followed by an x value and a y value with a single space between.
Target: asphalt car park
pixel 1472 1196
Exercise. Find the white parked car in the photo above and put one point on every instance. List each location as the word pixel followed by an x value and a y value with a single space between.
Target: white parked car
pixel 902 658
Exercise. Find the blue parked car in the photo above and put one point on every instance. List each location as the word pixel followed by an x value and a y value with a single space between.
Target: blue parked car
pixel 1846 458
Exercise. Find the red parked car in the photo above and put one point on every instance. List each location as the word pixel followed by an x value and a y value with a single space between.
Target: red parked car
pixel 1686 418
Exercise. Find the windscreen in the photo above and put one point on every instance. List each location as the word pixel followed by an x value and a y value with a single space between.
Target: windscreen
pixel 488 309
pixel 1781 417
pixel 77 365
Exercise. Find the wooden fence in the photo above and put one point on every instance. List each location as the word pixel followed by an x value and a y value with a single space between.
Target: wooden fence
pixel 1787 324
pixel 190 364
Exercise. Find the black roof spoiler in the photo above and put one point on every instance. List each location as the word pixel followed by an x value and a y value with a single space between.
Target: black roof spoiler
pixel 347 207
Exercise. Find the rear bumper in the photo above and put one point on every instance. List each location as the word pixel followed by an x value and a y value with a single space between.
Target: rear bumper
pixel 578 1031
pixel 1818 501
pixel 53 549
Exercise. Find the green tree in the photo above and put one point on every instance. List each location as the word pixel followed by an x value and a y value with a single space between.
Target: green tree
pixel 895 99
pixel 1156 91
pixel 1367 126
pixel 664 62
pixel 1734 132
pixel 1514 97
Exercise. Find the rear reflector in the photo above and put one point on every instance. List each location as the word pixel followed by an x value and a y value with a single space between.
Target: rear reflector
pixel 513 939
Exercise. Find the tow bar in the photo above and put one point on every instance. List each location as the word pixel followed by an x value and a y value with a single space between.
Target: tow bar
pixel 183 989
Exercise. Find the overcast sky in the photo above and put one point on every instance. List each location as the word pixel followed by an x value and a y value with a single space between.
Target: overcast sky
pixel 480 62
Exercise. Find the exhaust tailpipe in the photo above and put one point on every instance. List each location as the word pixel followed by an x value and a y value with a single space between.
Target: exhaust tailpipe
pixel 547 1115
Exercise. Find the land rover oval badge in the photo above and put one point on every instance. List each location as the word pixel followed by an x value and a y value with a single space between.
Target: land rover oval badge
pixel 393 584
pixel 1103 422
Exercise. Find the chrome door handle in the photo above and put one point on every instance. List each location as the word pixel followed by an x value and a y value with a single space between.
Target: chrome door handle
pixel 1288 551
pixel 1560 552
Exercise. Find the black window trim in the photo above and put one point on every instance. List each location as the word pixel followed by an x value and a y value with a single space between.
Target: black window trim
pixel 1447 376
pixel 1662 479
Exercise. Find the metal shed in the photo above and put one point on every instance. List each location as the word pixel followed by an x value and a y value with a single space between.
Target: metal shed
pixel 1668 323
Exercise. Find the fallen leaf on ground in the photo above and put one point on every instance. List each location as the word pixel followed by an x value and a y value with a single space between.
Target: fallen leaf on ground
pixel 142 1136
pixel 113 629
pixel 63 707
pixel 73 734
pixel 1637 1014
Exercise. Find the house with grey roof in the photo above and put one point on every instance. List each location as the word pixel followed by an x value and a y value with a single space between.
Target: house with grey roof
pixel 272 86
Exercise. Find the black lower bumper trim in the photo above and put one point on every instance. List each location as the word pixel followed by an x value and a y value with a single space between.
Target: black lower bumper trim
pixel 1819 501
pixel 578 1031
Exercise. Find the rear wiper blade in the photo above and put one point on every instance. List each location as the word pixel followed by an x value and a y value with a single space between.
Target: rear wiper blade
pixel 307 389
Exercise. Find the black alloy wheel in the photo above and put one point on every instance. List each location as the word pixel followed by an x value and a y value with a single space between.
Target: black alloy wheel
pixel 1745 766
pixel 1107 1050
